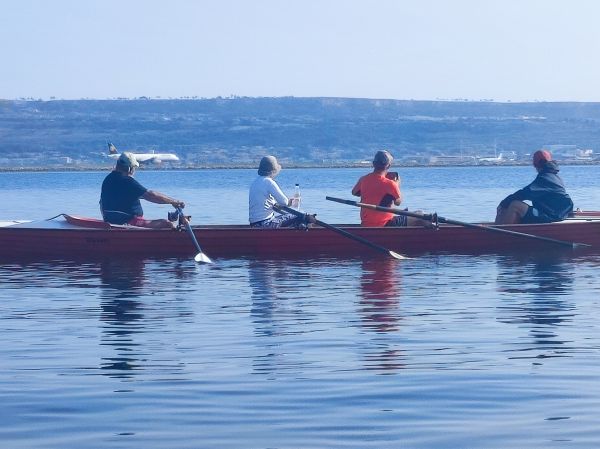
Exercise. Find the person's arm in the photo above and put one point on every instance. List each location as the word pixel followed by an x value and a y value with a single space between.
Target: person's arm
pixel 398 200
pixel 279 196
pixel 519 195
pixel 159 198
pixel 356 188
pixel 396 193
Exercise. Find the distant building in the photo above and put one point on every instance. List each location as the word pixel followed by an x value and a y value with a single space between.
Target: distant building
pixel 570 152
pixel 452 160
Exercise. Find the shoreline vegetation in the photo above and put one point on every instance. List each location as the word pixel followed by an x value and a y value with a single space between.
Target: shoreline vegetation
pixel 97 168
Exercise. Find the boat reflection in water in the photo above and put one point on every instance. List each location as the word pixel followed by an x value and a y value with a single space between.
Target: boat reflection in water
pixel 122 314
pixel 297 303
pixel 139 314
pixel 379 307
pixel 537 288
pixel 277 313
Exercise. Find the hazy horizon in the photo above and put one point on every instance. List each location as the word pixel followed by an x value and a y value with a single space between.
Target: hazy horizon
pixel 232 97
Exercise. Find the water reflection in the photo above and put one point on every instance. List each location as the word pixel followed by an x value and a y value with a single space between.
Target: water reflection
pixel 280 312
pixel 380 289
pixel 537 288
pixel 380 284
pixel 121 312
pixel 263 277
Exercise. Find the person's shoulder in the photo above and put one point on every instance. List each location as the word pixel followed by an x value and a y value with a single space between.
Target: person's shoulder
pixel 133 183
pixel 112 177
pixel 262 182
pixel 368 177
pixel 390 181
pixel 391 185
pixel 130 180
pixel 270 181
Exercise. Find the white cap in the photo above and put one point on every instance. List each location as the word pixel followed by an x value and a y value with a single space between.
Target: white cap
pixel 127 159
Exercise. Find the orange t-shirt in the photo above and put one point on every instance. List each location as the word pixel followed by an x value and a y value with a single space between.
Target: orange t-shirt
pixel 373 188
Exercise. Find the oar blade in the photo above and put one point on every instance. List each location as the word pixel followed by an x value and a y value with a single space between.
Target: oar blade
pixel 395 255
pixel 202 258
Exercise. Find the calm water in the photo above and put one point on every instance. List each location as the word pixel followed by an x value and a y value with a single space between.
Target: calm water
pixel 440 351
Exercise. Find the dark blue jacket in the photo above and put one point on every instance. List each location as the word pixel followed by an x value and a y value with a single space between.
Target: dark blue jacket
pixel 547 194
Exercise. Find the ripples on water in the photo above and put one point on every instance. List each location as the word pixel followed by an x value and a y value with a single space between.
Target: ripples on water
pixel 442 351
pixel 437 351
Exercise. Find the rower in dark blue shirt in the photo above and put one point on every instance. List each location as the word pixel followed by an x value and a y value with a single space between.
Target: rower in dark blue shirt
pixel 121 193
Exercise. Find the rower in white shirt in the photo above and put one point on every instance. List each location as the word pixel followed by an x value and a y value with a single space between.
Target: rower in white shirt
pixel 264 194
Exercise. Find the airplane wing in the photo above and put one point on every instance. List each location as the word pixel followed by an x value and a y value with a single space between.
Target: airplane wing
pixel 144 158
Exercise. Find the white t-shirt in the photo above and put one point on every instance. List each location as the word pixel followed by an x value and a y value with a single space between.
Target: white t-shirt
pixel 264 193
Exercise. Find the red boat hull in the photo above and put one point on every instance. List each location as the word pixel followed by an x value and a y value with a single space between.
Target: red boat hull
pixel 63 240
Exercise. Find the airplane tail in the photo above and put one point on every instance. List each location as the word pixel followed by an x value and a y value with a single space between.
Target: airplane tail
pixel 112 149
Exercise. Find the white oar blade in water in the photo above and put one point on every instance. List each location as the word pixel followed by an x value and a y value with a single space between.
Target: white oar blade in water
pixel 202 258
pixel 395 255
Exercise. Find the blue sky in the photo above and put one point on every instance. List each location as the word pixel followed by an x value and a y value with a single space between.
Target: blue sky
pixel 506 50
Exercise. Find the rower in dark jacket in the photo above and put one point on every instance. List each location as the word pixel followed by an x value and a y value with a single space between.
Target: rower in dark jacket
pixel 550 201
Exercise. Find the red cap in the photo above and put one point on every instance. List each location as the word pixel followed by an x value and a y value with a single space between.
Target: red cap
pixel 540 157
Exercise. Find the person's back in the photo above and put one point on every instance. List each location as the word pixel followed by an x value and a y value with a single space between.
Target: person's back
pixel 550 201
pixel 120 198
pixel 263 194
pixel 375 188
pixel 548 194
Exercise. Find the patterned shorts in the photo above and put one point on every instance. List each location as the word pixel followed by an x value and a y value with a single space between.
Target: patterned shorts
pixel 278 221
pixel 399 221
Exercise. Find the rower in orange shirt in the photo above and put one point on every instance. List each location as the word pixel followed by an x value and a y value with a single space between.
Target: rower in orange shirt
pixel 382 188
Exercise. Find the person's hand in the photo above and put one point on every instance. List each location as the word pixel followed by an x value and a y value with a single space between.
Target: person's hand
pixel 178 204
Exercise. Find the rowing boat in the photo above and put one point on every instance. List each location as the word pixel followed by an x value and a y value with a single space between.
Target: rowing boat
pixel 72 236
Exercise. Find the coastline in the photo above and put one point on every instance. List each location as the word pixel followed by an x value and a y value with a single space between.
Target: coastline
pixel 97 168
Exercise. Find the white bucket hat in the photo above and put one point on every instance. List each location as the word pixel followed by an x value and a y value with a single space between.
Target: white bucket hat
pixel 269 166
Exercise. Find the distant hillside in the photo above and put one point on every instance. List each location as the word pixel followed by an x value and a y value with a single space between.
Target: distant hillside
pixel 226 131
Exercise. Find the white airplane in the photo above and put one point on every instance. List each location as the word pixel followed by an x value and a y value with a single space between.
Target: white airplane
pixel 492 160
pixel 144 158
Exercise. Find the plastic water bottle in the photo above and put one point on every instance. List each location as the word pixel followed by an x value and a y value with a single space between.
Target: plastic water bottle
pixel 296 199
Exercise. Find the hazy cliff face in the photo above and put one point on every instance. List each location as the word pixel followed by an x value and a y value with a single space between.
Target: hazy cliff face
pixel 297 130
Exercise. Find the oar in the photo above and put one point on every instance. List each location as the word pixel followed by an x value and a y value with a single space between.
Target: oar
pixel 356 238
pixel 200 257
pixel 429 217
